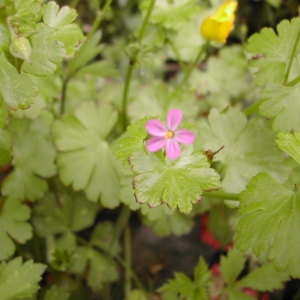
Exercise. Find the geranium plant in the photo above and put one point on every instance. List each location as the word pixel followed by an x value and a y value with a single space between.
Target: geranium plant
pixel 129 120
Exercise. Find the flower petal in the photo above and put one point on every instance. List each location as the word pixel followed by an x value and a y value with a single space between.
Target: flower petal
pixel 172 149
pixel 174 118
pixel 156 143
pixel 156 128
pixel 185 136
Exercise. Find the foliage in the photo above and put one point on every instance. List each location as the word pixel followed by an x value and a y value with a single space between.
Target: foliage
pixel 78 84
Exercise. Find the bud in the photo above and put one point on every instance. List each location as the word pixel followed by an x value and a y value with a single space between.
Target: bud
pixel 21 48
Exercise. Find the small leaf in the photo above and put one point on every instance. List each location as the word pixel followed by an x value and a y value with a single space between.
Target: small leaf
pixel 35 161
pixel 55 293
pixel 55 17
pixel 176 183
pixel 171 14
pixel 132 140
pixel 13 226
pixel 290 143
pixel 71 212
pixel 17 280
pixel 188 289
pixel 46 52
pixel 17 89
pixel 232 265
pixel 165 221
pixel 264 278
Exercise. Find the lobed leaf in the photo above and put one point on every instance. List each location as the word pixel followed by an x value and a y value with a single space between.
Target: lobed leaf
pixel 18 90
pixel 33 163
pixel 248 148
pixel 269 217
pixel 71 212
pixel 17 280
pixel 281 103
pixel 13 226
pixel 85 159
pixel 275 52
pixel 290 143
pixel 177 183
pixel 188 289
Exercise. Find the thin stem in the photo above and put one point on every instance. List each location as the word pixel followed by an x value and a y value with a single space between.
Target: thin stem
pixel 286 77
pixel 253 108
pixel 127 256
pixel 146 20
pixel 121 224
pixel 193 65
pixel 64 95
pixel 222 195
pixel 132 61
pixel 125 93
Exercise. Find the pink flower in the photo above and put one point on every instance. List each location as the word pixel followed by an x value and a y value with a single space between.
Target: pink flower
pixel 168 136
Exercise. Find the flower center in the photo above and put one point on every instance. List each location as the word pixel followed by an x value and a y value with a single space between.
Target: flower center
pixel 169 134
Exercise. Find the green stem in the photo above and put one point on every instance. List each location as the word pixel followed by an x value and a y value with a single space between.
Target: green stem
pixel 121 224
pixel 64 95
pixel 293 54
pixel 132 61
pixel 193 65
pixel 146 20
pixel 253 108
pixel 127 256
pixel 222 195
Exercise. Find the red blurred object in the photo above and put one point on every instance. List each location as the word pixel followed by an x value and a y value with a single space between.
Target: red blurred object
pixel 206 236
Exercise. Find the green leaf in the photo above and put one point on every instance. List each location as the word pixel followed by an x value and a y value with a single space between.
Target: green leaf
pixel 55 293
pixel 102 237
pixel 265 278
pixel 269 222
pixel 60 19
pixel 177 183
pixel 70 212
pixel 248 148
pixel 188 289
pixel 33 163
pixel 170 14
pixel 274 53
pixel 132 140
pixel 281 103
pixel 17 89
pixel 55 17
pixel 26 14
pixel 87 51
pixel 85 159
pixel 290 143
pixel 13 226
pixel 46 52
pixel 102 268
pixel 5 147
pixel 165 221
pixel 232 265
pixel 17 280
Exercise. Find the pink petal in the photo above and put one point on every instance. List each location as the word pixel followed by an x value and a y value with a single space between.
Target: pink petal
pixel 156 128
pixel 156 143
pixel 185 136
pixel 172 149
pixel 174 118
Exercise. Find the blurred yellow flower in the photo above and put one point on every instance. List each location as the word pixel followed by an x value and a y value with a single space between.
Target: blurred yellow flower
pixel 218 26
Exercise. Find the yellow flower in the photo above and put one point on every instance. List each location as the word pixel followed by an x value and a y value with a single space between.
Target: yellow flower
pixel 218 26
